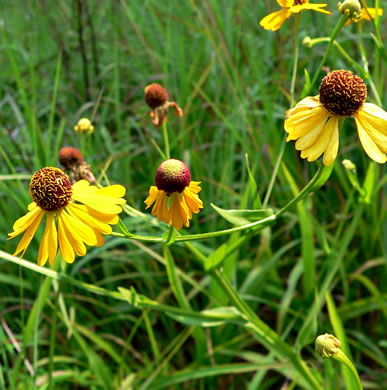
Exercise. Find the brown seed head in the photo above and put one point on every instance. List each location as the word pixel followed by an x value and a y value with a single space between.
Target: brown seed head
pixel 342 93
pixel 50 189
pixel 172 176
pixel 155 95
pixel 70 157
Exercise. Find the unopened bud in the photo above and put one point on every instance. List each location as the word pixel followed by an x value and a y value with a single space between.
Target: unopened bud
pixel 349 165
pixel 350 8
pixel 327 345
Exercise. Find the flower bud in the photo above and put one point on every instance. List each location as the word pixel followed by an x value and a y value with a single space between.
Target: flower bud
pixel 350 8
pixel 327 345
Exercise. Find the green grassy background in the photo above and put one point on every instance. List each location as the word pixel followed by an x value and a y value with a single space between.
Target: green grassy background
pixel 60 62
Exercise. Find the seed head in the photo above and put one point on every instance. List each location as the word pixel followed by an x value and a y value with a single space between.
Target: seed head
pixel 70 157
pixel 342 93
pixel 172 176
pixel 327 345
pixel 155 96
pixel 50 189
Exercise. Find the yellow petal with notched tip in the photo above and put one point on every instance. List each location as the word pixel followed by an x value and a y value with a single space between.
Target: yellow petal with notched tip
pixel 275 20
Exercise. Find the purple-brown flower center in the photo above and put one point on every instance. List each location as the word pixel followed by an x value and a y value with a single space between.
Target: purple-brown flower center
pixel 50 189
pixel 342 93
pixel 172 176
pixel 155 95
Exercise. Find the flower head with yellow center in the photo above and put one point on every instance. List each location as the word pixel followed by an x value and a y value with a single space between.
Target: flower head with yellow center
pixel 157 99
pixel 84 125
pixel 175 196
pixel 276 19
pixel 83 214
pixel 314 121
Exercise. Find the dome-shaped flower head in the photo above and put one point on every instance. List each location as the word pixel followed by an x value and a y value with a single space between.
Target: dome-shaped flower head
pixel 84 125
pixel 313 122
pixel 156 97
pixel 83 214
pixel 175 196
pixel 276 19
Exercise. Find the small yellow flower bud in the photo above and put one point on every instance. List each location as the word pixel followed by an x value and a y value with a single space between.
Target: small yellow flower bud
pixel 350 8
pixel 349 165
pixel 307 42
pixel 84 125
pixel 327 345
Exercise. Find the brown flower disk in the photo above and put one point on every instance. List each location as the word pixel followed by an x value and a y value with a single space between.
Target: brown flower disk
pixel 50 189
pixel 172 176
pixel 342 93
pixel 69 156
pixel 155 95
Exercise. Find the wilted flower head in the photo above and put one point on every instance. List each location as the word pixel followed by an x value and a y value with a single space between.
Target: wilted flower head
pixel 84 125
pixel 83 214
pixel 175 195
pixel 276 19
pixel 157 99
pixel 313 122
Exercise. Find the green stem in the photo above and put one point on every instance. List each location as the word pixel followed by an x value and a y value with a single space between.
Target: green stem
pixel 53 339
pixel 268 337
pixel 342 358
pixel 166 140
pixel 337 28
pixel 292 89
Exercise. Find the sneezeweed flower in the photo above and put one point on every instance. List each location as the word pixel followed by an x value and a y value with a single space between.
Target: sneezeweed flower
pixel 313 122
pixel 84 125
pixel 72 160
pixel 83 214
pixel 175 196
pixel 276 19
pixel 157 99
pixel 327 345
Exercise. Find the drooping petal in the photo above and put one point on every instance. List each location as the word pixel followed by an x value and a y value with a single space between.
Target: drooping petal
pixel 65 247
pixel 309 6
pixel 321 145
pixel 372 133
pixel 333 146
pixel 47 243
pixel 30 232
pixel 275 20
pixel 24 222
pixel 303 121
pixel 52 239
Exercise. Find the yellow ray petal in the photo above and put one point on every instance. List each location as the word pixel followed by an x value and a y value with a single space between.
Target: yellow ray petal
pixel 29 234
pixel 115 191
pixel 369 145
pixel 99 203
pixel 24 222
pixel 275 20
pixel 332 148
pixel 46 241
pixel 64 244
pixel 309 6
pixel 79 230
pixel 318 148
pixel 80 213
pixel 52 239
pixel 310 137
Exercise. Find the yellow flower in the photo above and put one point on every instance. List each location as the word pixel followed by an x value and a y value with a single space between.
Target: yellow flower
pixel 84 125
pixel 157 99
pixel 275 20
pixel 175 196
pixel 83 213
pixel 313 122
